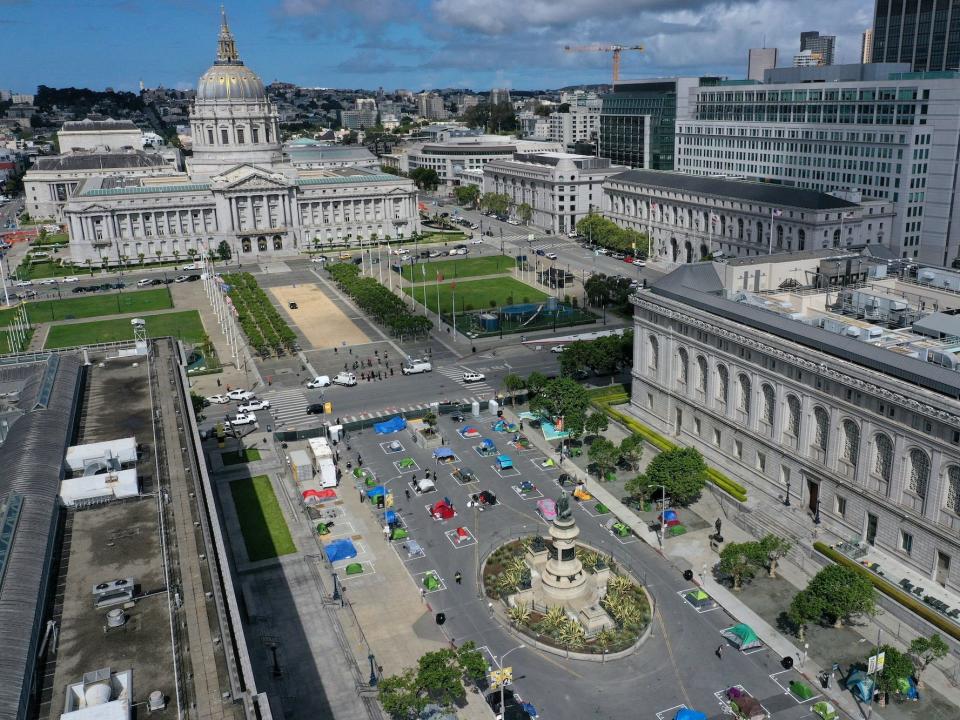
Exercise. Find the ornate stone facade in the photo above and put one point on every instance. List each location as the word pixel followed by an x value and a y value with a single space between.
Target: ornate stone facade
pixel 879 457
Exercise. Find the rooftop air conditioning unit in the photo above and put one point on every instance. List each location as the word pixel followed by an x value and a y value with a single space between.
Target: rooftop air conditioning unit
pixel 113 592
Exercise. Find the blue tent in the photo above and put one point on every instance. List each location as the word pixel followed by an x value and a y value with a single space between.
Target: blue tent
pixel 392 425
pixel 504 461
pixel 340 550
pixel 861 685
pixel 529 709
pixel 375 491
pixel 487 443
pixel 389 517
pixel 443 453
pixel 688 714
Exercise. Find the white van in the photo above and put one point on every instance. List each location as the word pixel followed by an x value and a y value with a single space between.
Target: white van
pixel 416 366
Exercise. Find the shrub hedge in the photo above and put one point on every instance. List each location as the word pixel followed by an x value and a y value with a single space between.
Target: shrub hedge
pixel 892 591
pixel 604 403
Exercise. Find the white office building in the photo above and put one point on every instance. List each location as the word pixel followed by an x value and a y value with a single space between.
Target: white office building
pixel 888 136
pixel 471 152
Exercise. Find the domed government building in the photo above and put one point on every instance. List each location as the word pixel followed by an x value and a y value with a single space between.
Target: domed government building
pixel 237 186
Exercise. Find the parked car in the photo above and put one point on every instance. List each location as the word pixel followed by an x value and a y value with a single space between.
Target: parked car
pixel 320 381
pixel 513 221
pixel 458 251
pixel 477 241
pixel 435 253
pixel 253 405
pixel 71 279
pixel 540 251
pixel 471 376
pixel 315 409
pixel 242 419
pixel 193 278
pixel 79 290
pixel 218 399
pixel 239 394
pixel 347 379
pixel 155 281
pixel 181 278
pixel 558 348
pixel 319 259
pixel 474 226
pixel 47 281
pixel 145 282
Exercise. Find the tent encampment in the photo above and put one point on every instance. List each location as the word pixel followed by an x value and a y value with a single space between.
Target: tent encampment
pixel 430 581
pixel 504 462
pixel 700 600
pixel 688 714
pixel 395 424
pixel 547 508
pixel 444 455
pixel 742 636
pixel 469 431
pixel 340 550
pixel 375 491
pixel 860 684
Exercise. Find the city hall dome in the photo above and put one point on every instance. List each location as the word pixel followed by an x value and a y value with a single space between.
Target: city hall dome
pixel 228 78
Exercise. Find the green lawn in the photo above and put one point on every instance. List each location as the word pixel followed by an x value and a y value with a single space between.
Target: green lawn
pixel 5 341
pixel 477 294
pixel 185 325
pixel 265 532
pixel 53 239
pixel 458 267
pixel 94 305
pixel 45 269
pixel 235 457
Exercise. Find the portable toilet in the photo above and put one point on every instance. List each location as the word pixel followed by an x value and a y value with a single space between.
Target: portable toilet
pixel 475 408
pixel 494 407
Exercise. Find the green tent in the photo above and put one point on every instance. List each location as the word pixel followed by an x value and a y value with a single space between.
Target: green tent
pixel 399 533
pixel 431 582
pixel 825 711
pixel 742 636
pixel 354 569
pixel 700 599
pixel 801 690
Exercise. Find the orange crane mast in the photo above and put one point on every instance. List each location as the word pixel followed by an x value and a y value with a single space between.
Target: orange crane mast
pixel 615 49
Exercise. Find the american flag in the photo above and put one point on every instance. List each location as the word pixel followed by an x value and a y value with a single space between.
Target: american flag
pixel 848 215
pixel 777 212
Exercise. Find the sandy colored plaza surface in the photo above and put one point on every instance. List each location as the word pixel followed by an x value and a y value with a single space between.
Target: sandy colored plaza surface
pixel 322 323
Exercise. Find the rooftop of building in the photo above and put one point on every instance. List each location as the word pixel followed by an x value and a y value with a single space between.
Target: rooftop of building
pixel 90 125
pixel 906 329
pixel 40 396
pixel 100 160
pixel 763 193
pixel 823 253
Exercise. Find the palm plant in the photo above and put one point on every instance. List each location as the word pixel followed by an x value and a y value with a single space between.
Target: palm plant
pixel 604 639
pixel 588 559
pixel 507 581
pixel 571 634
pixel 619 585
pixel 554 619
pixel 519 613
pixel 516 564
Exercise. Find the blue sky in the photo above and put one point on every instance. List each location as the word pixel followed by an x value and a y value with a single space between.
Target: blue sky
pixel 413 44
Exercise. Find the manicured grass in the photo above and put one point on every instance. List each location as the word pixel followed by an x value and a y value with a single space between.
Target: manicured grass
pixel 94 305
pixel 235 457
pixel 458 267
pixel 265 532
pixel 53 239
pixel 477 294
pixel 183 325
pixel 5 341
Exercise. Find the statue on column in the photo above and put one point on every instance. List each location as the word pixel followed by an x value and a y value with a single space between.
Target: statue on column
pixel 563 506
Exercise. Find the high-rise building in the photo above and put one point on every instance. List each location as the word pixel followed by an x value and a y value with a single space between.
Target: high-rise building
pixel 821 44
pixel 872 130
pixel 499 95
pixel 363 115
pixel 430 106
pixel 866 46
pixel 758 60
pixel 926 35
pixel 637 121
pixel 808 58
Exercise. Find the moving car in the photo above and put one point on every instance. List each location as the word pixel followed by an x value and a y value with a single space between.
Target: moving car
pixel 242 419
pixel 458 251
pixel 71 279
pixel 47 281
pixel 558 348
pixel 320 381
pixel 218 399
pixel 414 367
pixel 239 394
pixel 315 409
pixel 319 259
pixel 345 378
pixel 346 256
pixel 513 221
pixel 253 405
pixel 477 241
pixel 23 283
pixel 639 263
pixel 471 377
pixel 540 251
pixel 551 256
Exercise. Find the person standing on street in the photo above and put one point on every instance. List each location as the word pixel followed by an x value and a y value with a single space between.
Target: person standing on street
pixel 458 577
pixel 719 652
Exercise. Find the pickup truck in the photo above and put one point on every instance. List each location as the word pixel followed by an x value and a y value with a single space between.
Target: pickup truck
pixel 242 419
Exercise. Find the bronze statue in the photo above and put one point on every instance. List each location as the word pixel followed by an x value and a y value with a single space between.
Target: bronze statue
pixel 563 506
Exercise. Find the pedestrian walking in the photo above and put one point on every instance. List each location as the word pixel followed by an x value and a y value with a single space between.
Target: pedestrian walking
pixel 407 493
pixel 391 372
pixel 719 652
pixel 457 577
pixel 359 460
pixel 361 497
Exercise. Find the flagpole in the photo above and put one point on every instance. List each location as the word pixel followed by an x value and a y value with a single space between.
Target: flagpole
pixel 453 308
pixel 770 245
pixel 423 272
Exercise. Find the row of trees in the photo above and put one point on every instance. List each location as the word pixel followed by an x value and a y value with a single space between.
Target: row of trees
pixel 425 178
pixel 609 291
pixel 602 356
pixel 467 195
pixel 607 234
pixel 681 473
pixel 439 678
pixel 741 561
pixel 494 118
pixel 606 455
pixel 378 302
pixel 501 204
pixel 265 329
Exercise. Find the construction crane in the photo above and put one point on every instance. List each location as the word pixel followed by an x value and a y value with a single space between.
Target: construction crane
pixel 615 49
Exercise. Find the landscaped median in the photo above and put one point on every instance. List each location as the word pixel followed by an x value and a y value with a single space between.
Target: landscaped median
pixel 891 591
pixel 605 398
pixel 264 327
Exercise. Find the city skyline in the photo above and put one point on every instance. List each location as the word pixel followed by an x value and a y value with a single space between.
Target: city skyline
pixel 412 44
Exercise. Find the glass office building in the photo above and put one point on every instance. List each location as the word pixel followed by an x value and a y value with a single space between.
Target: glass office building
pixel 924 33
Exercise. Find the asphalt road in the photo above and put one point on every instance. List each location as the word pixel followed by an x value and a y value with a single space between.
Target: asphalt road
pixel 676 664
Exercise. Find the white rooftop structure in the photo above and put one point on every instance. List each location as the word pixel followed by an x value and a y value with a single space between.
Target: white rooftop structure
pixel 114 485
pixel 112 455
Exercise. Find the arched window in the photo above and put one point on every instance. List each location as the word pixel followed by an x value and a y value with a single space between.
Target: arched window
pixel 740 228
pixel 683 366
pixel 793 415
pixel 769 402
pixel 701 373
pixel 245 243
pixel 851 442
pixel 883 462
pixel 953 489
pixel 653 361
pixel 277 242
pixel 822 435
pixel 262 244
pixel 836 238
pixel 759 231
pixel 723 383
pixel 779 236
pixel 919 472
pixel 743 401
pixel 801 240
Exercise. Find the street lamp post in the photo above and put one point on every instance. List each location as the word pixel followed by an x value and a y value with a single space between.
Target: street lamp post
pixel 786 500
pixel 503 657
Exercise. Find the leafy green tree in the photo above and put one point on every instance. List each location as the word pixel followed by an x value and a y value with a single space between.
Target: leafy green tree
pixel 597 423
pixel 198 402
pixel 805 608
pixel 896 665
pixel 604 455
pixel 575 358
pixel 467 195
pixel 513 384
pixel 477 116
pixel 631 450
pixel 740 561
pixel 524 212
pixel 563 398
pixel 681 471
pixel 843 593
pixel 925 650
pixel 535 382
pixel 774 549
pixel 400 696
pixel 425 178
pixel 224 252
pixel 497 203
pixel 471 661
pixel 440 676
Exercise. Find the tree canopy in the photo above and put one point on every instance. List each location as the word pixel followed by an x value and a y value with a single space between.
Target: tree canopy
pixel 681 471
pixel 607 234
pixel 438 678
pixel 425 178
pixel 467 194
pixel 494 118
pixel 497 203
pixel 563 398
pixel 840 593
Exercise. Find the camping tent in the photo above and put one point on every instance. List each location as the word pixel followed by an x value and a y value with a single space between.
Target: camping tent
pixel 430 581
pixel 375 491
pixel 861 685
pixel 469 431
pixel 390 517
pixel 742 636
pixel 504 461
pixel 669 518
pixel 825 710
pixel 688 714
pixel 700 600
pixel 442 510
pixel 395 424
pixel 908 688
pixel 311 497
pixel 444 454
pixel 340 550
pixel 547 508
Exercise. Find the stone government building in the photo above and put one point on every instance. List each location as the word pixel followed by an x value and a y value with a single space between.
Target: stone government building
pixel 237 188
pixel 847 399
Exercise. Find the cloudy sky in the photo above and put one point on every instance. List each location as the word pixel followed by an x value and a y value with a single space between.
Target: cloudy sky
pixel 413 44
